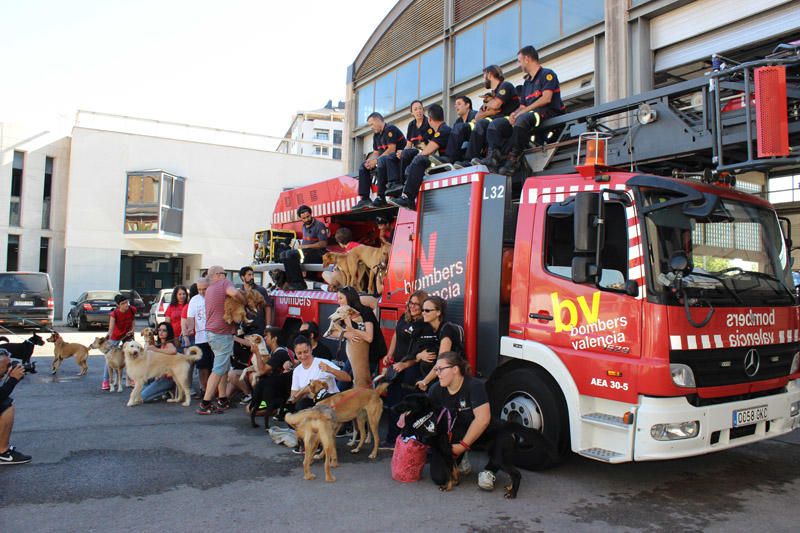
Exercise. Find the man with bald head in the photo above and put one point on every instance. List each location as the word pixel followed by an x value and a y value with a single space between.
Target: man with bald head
pixel 220 337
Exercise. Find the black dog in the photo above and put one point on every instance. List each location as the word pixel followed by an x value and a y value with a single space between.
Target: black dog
pixel 23 350
pixel 502 439
pixel 271 391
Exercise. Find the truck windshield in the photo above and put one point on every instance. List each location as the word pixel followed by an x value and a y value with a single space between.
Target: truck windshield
pixel 737 255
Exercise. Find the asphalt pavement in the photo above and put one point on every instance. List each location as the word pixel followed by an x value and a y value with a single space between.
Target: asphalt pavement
pixel 101 466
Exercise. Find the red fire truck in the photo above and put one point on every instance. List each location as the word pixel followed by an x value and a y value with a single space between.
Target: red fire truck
pixel 624 296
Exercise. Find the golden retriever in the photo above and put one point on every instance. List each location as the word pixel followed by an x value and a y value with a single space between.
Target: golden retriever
pixel 115 360
pixel 149 337
pixel 65 350
pixel 235 311
pixel 315 426
pixel 143 365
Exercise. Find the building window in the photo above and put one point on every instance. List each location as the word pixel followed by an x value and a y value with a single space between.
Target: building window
pixel 384 94
pixel 44 249
pixel 321 135
pixel 366 102
pixel 502 37
pixel 16 189
pixel 47 192
pixel 337 153
pixel 320 150
pixel 407 83
pixel 544 21
pixel 12 254
pixel 431 72
pixel 337 136
pixel 154 203
pixel 469 53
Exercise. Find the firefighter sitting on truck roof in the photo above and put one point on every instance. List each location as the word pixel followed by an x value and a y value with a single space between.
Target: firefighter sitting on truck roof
pixel 460 132
pixel 540 99
pixel 315 239
pixel 386 140
pixel 418 133
pixel 416 171
pixel 500 102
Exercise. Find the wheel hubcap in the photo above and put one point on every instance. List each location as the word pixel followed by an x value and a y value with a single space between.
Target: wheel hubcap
pixel 522 409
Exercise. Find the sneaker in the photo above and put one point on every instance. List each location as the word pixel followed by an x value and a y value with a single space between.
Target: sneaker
pixel 245 400
pixel 465 467
pixel 394 189
pixel 105 385
pixel 223 404
pixel 13 457
pixel 207 409
pixel 486 480
pixel 402 202
pixel 364 203
pixel 379 202
pixel 299 450
pixel 462 164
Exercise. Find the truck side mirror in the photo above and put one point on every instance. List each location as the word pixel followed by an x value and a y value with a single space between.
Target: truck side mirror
pixel 583 270
pixel 585 220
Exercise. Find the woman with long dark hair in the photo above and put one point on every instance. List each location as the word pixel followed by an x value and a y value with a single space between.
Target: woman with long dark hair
pixel 165 343
pixel 175 309
pixel 436 337
pixel 368 331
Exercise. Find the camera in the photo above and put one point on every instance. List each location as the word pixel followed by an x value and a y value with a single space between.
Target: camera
pixel 30 368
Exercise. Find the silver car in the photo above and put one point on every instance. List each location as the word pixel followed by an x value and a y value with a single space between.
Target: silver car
pixel 160 305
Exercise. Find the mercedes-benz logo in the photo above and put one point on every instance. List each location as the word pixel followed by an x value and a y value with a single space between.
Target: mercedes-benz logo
pixel 752 362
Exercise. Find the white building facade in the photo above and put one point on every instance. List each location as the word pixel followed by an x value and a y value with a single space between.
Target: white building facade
pixel 316 133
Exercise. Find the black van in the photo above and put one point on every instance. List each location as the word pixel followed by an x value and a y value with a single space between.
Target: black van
pixel 26 299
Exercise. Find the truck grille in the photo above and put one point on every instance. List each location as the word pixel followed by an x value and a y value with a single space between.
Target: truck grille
pixel 725 366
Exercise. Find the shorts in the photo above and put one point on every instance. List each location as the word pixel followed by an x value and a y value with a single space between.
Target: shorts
pixel 222 346
pixel 5 405
pixel 207 360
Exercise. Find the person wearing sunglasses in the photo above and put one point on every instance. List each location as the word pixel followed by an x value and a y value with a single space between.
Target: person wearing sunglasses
pixel 407 370
pixel 466 401
pixel 435 337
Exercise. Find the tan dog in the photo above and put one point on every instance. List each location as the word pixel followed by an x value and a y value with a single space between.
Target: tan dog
pixel 65 350
pixel 143 365
pixel 149 337
pixel 357 352
pixel 371 258
pixel 363 405
pixel 114 358
pixel 236 311
pixel 315 426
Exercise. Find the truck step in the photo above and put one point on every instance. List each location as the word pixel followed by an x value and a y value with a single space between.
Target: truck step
pixel 606 420
pixel 600 454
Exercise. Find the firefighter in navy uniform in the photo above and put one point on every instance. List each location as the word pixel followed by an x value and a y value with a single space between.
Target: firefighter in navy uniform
pixel 417 134
pixel 416 170
pixel 386 140
pixel 460 132
pixel 540 99
pixel 501 102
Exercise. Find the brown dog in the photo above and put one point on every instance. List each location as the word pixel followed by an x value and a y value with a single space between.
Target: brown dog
pixel 363 405
pixel 357 352
pixel 143 365
pixel 236 310
pixel 65 350
pixel 149 337
pixel 114 358
pixel 315 426
pixel 370 257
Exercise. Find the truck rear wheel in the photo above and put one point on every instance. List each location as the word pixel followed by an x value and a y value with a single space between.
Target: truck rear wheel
pixel 524 396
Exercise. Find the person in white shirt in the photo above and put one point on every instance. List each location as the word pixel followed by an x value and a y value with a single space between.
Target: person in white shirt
pixel 196 325
pixel 312 368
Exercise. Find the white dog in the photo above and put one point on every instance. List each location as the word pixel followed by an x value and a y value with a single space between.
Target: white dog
pixel 143 365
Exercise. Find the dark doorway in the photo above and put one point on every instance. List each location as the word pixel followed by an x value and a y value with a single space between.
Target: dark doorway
pixel 147 275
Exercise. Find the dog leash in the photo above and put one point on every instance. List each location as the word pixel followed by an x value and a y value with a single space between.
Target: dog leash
pixel 451 421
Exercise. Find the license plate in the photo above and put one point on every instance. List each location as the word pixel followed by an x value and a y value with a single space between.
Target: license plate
pixel 106 308
pixel 753 415
pixel 24 303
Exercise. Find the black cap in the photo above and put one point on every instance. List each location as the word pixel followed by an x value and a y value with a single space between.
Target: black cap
pixel 119 298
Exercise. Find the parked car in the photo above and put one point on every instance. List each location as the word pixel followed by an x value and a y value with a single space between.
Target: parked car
pixel 796 282
pixel 136 300
pixel 92 308
pixel 160 305
pixel 26 299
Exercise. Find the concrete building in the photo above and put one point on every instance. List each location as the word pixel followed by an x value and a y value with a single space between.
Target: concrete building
pixel 602 50
pixel 139 204
pixel 316 133
pixel 34 171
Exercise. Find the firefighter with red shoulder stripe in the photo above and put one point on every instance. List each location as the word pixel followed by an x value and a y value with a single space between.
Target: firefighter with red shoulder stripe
pixel 540 100
pixel 386 140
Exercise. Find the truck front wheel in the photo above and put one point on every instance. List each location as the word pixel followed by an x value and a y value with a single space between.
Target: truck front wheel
pixel 527 398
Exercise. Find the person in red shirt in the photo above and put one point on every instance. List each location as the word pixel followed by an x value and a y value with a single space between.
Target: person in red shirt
pixel 120 327
pixel 175 310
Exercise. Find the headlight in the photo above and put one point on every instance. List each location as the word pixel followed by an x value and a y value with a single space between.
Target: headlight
pixel 682 375
pixel 795 363
pixel 676 431
pixel 794 409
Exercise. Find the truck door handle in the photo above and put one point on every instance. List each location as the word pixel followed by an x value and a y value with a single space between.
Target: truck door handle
pixel 542 315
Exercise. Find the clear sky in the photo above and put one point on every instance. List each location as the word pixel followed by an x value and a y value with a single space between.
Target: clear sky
pixel 236 64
